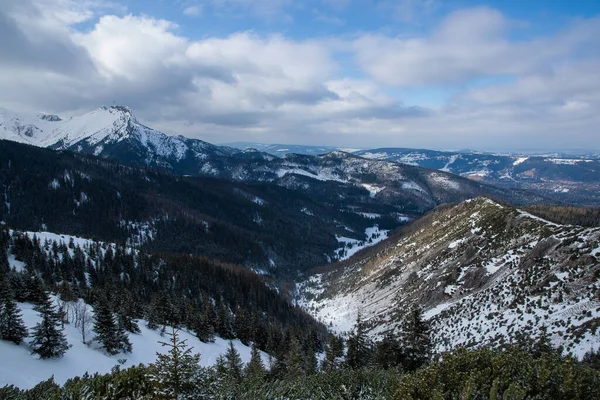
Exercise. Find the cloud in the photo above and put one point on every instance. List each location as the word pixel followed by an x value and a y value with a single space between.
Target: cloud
pixel 193 11
pixel 272 88
pixel 468 44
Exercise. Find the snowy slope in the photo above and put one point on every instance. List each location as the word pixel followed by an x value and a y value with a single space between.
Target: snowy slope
pixel 26 128
pixel 18 367
pixel 483 273
pixel 104 123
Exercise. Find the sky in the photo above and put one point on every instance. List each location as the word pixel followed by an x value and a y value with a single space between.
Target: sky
pixel 489 75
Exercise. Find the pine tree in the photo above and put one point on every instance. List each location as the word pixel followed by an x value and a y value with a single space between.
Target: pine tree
pixel 109 333
pixel 4 265
pixel 416 343
pixel 49 340
pixel 34 288
pixel 359 346
pixel 12 327
pixel 255 370
pixel 295 364
pixel 177 371
pixel 388 352
pixel 233 363
pixel 333 351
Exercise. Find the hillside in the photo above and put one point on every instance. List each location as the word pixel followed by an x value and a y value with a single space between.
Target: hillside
pixel 483 272
pixel 212 303
pixel 81 358
pixel 259 225
pixel 299 217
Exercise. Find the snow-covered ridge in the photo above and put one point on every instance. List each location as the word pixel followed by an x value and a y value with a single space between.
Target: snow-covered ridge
pixel 483 272
pixel 96 131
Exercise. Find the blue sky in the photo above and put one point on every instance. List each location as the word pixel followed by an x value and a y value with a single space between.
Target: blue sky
pixel 495 75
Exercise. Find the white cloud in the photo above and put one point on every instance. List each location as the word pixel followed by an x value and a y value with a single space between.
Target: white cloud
pixel 468 44
pixel 276 89
pixel 193 11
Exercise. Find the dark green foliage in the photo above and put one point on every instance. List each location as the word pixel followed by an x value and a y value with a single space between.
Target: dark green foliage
pixel 203 296
pixel 388 352
pixel 12 327
pixel 492 374
pixel 511 373
pixel 359 347
pixel 255 370
pixel 567 215
pixel 49 340
pixel 109 332
pixel 592 359
pixel 416 343
pixel 333 353
pixel 233 363
pixel 175 372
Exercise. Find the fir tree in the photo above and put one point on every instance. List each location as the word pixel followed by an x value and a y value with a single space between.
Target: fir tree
pixel 177 371
pixel 333 351
pixel 416 342
pixel 49 340
pixel 12 327
pixel 109 333
pixel 359 346
pixel 4 265
pixel 233 363
pixel 388 352
pixel 34 288
pixel 255 370
pixel 295 362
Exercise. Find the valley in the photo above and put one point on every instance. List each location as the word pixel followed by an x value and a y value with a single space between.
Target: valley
pixel 336 243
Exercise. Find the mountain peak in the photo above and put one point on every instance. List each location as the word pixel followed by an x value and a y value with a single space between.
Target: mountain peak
pixel 50 118
pixel 118 107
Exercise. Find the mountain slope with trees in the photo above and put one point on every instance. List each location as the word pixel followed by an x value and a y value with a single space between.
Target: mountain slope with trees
pixel 483 272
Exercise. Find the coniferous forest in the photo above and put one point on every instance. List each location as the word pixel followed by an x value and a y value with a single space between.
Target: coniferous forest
pixel 172 292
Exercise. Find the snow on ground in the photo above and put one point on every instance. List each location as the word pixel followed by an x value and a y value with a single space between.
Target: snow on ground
pixel 567 161
pixel 370 215
pixel 321 176
pixel 352 246
pixel 307 211
pixel 520 160
pixel 18 367
pixel 373 189
pixel 528 215
pixel 375 156
pixel 14 263
pixel 444 181
pixel 412 186
pixel 449 163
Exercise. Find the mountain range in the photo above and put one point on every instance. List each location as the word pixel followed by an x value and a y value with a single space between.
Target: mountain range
pixel 114 132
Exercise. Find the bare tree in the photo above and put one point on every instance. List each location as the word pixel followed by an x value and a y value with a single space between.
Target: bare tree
pixel 65 310
pixel 83 318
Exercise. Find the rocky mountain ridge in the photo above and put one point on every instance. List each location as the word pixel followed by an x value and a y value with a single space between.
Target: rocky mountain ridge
pixel 484 273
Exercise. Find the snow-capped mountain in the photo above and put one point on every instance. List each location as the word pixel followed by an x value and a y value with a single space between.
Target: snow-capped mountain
pixel 24 128
pixel 110 132
pixel 565 177
pixel 362 185
pixel 483 272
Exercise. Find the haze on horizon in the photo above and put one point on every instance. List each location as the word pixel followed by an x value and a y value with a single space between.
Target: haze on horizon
pixel 489 75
